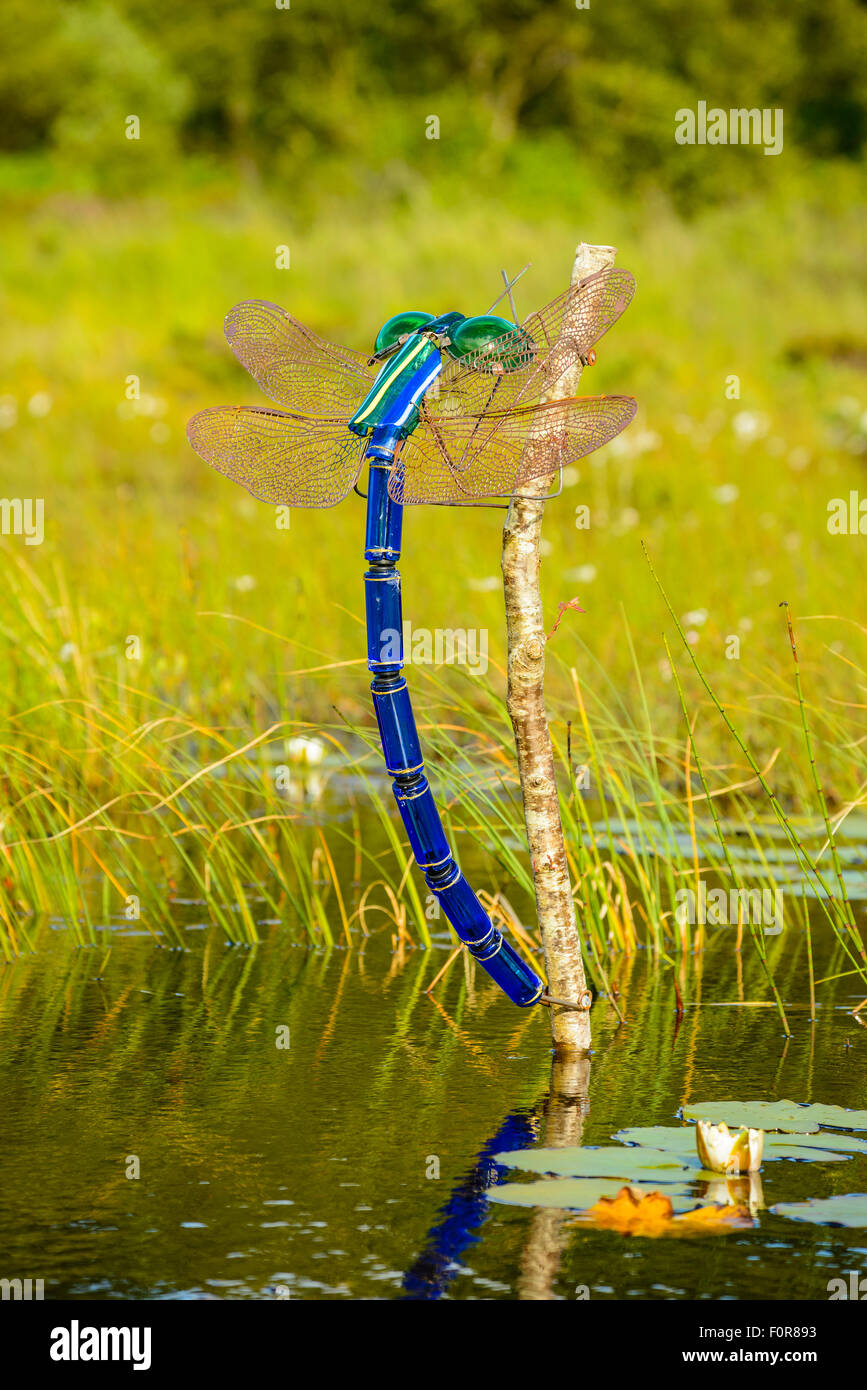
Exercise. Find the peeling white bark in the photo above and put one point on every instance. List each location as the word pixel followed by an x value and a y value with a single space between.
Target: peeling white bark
pixel 526 704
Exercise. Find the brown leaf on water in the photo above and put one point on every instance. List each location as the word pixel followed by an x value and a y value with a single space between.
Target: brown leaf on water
pixel 712 1221
pixel 634 1213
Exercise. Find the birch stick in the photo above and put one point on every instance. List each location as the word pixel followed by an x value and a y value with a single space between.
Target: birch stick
pixel 526 703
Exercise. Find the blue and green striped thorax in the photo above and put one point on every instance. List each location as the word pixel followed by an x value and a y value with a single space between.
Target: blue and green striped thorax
pixel 412 344
pixel 401 383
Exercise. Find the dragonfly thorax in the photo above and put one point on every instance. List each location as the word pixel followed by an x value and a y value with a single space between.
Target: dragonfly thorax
pixel 401 382
pixel 411 344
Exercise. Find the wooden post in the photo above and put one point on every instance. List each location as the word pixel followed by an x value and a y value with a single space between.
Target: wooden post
pixel 526 703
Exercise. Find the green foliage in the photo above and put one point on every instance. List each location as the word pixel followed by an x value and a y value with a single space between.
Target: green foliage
pixel 71 76
pixel 286 90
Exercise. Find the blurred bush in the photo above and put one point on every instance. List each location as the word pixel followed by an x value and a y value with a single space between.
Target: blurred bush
pixel 72 76
pixel 279 90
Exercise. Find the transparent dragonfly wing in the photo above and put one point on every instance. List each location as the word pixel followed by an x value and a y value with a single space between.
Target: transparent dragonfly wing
pixel 282 459
pixel 545 346
pixel 463 458
pixel 299 370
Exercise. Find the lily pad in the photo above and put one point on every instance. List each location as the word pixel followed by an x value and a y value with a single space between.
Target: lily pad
pixel 679 1142
pixel 676 1139
pixel 638 1164
pixel 576 1194
pixel 784 1115
pixel 840 1143
pixel 839 1117
pixel 850 1209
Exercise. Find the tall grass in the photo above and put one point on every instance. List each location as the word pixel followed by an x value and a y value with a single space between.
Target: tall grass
pixel 171 821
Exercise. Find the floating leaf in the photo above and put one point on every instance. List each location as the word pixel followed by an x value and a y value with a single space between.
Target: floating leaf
pixel 806 1154
pixel 839 1117
pixel 783 1115
pixel 571 1193
pixel 640 1164
pixel 711 1221
pixel 679 1139
pixel 635 1213
pixel 850 1209
pixel 679 1142
pixel 840 1143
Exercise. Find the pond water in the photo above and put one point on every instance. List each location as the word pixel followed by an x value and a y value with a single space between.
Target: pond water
pixel 356 1161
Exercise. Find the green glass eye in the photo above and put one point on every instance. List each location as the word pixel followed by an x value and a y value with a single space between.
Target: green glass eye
pixel 410 321
pixel 497 344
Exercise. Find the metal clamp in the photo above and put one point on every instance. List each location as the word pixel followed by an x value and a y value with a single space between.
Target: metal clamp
pixel 582 1006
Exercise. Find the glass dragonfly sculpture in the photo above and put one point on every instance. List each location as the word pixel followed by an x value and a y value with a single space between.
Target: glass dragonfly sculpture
pixel 447 409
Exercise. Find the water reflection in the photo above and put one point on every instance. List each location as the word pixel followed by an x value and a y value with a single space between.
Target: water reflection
pixel 305 1168
pixel 566 1107
pixel 466 1210
pixel 558 1122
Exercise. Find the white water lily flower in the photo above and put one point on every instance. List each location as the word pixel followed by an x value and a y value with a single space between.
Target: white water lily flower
pixel 723 1152
pixel 309 751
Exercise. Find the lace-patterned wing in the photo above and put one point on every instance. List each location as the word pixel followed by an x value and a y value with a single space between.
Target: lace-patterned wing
pixel 282 459
pixel 454 461
pixel 294 366
pixel 547 344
